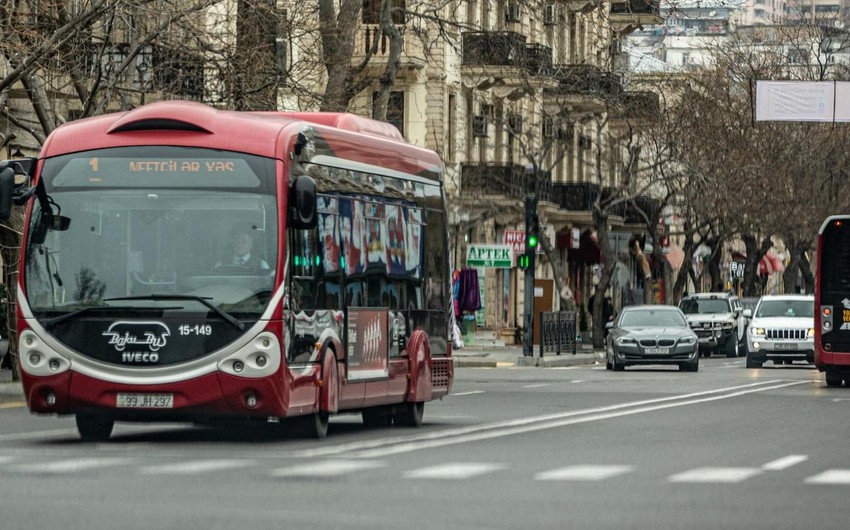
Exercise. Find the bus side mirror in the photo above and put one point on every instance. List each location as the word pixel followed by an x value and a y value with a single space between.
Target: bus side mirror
pixel 7 190
pixel 302 203
pixel 48 221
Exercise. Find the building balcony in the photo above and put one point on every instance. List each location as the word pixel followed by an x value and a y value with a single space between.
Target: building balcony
pixel 636 107
pixel 538 59
pixel 645 204
pixel 503 179
pixel 502 61
pixel 493 178
pixel 581 88
pixel 577 197
pixel 369 38
pixel 628 15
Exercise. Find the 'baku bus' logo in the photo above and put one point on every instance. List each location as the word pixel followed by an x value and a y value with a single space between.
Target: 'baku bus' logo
pixel 151 335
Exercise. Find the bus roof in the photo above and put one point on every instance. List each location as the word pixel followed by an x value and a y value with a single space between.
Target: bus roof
pixel 192 124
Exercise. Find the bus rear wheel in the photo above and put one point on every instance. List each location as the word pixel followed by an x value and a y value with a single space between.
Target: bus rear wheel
pixel 94 428
pixel 409 414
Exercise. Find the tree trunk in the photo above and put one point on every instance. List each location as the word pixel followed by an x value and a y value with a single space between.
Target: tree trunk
pixel 600 221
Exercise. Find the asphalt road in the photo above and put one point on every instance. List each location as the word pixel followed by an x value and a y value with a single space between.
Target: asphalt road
pixel 513 447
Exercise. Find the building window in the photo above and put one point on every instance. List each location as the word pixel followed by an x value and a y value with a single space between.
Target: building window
pixel 372 11
pixel 395 109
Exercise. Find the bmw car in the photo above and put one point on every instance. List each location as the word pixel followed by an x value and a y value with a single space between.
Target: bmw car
pixel 651 335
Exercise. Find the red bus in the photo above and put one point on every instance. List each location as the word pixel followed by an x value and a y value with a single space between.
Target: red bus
pixel 189 264
pixel 832 300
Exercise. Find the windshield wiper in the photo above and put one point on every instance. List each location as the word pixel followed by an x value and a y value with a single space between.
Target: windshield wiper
pixel 50 323
pixel 201 300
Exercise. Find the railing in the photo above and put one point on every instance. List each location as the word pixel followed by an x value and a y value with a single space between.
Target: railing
pixel 640 104
pixel 538 59
pixel 558 331
pixel 493 178
pixel 575 196
pixel 585 79
pixel 639 7
pixel 647 205
pixel 510 180
pixel 494 48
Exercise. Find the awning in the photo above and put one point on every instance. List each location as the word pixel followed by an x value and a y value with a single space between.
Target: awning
pixel 588 250
pixel 769 264
pixel 675 257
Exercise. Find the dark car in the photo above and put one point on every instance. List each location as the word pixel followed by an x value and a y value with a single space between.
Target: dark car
pixel 651 334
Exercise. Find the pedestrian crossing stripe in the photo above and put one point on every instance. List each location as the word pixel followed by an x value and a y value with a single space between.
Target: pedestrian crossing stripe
pixel 454 471
pixel 190 468
pixel 70 466
pixel 716 475
pixel 326 468
pixel 588 473
pixel 832 476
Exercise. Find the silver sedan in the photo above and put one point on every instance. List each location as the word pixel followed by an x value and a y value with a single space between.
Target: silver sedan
pixel 651 334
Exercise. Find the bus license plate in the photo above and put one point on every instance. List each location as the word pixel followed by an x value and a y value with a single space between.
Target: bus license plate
pixel 658 351
pixel 786 346
pixel 144 401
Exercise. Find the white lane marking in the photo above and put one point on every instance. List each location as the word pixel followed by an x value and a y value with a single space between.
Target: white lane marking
pixel 535 386
pixel 327 468
pixel 561 420
pixel 784 462
pixel 831 476
pixel 468 393
pixel 454 471
pixel 190 468
pixel 706 475
pixel 124 430
pixel 5 459
pixel 69 466
pixel 578 381
pixel 443 434
pixel 587 473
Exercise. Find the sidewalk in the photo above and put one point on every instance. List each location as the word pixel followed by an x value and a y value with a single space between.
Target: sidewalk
pixel 9 391
pixel 485 357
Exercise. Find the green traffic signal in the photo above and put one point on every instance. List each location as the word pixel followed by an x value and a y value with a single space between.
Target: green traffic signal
pixel 532 241
pixel 523 261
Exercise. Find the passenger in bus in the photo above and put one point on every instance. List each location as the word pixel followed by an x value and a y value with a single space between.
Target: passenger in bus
pixel 240 255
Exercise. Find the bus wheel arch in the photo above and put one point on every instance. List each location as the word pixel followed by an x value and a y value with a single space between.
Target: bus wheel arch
pixel 329 389
pixel 419 357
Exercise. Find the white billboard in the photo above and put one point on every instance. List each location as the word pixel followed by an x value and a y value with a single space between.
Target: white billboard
pixel 813 101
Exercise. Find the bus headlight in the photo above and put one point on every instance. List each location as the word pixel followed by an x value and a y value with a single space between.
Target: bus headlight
pixel 260 357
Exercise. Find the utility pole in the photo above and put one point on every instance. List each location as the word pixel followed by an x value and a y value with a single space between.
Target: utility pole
pixel 532 228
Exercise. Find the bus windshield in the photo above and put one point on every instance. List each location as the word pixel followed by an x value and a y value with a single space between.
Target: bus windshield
pixel 155 227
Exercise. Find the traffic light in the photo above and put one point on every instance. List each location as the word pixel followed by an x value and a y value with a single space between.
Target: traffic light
pixel 523 261
pixel 532 224
pixel 532 238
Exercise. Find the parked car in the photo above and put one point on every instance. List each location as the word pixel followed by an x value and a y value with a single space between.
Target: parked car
pixel 651 334
pixel 718 321
pixel 782 330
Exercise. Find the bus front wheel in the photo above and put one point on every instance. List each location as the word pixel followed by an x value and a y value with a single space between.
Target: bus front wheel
pixel 94 428
pixel 833 379
pixel 409 414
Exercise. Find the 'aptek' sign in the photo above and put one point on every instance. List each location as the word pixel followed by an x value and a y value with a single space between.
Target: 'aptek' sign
pixel 498 256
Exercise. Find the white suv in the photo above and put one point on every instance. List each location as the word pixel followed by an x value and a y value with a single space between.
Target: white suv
pixel 718 321
pixel 782 330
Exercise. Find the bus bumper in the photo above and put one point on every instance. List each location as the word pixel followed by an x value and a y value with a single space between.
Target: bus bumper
pixel 212 395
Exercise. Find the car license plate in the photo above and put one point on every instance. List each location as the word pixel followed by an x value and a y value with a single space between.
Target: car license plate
pixel 658 351
pixel 786 346
pixel 144 401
